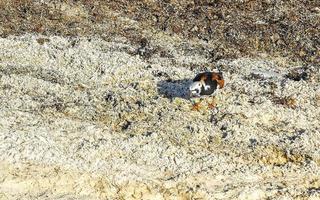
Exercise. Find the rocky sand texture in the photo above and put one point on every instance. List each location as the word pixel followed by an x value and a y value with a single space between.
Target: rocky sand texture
pixel 93 100
pixel 83 118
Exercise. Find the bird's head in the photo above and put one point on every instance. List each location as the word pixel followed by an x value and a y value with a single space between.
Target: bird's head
pixel 195 89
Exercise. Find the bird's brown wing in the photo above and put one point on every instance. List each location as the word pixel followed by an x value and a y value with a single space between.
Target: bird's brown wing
pixel 219 78
pixel 201 77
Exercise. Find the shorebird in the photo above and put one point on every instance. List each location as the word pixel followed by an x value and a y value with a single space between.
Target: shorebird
pixel 205 84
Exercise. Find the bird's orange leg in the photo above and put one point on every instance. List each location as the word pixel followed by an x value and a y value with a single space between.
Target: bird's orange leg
pixel 196 106
pixel 213 104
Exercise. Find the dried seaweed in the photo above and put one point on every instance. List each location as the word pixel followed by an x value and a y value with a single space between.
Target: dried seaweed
pixel 234 28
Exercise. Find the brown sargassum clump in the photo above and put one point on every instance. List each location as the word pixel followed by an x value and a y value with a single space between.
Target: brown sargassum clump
pixel 287 101
pixel 242 28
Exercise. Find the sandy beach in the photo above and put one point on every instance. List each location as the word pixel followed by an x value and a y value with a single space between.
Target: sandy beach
pixel 100 116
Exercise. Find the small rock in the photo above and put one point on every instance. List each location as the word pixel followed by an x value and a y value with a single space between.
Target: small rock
pixel 158 73
pixel 126 125
pixel 41 41
pixel 298 74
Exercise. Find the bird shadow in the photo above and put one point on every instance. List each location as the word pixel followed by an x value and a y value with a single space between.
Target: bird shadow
pixel 174 88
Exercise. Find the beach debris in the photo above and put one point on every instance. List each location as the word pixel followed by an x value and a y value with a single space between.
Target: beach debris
pixel 287 101
pixel 298 74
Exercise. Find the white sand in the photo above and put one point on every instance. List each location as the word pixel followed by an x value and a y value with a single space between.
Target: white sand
pixel 87 119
